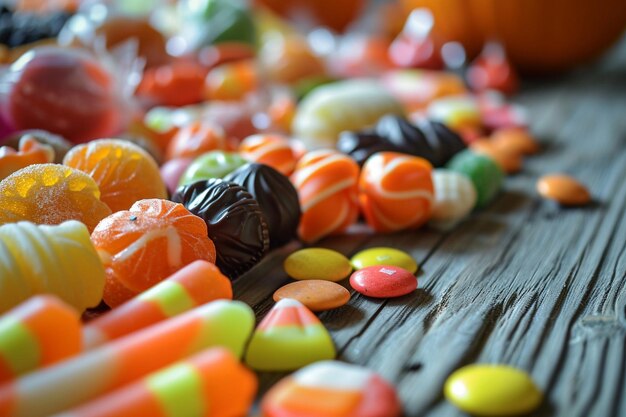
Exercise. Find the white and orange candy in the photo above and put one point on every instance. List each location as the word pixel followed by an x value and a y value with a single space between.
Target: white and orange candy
pixel 396 191
pixel 288 338
pixel 269 149
pixel 326 181
pixel 332 388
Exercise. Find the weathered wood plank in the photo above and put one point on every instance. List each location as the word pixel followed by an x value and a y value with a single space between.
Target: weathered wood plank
pixel 524 282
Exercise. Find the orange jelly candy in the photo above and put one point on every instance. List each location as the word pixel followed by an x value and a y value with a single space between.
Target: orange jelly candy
pixel 144 245
pixel 231 81
pixel 396 191
pixel 51 194
pixel 197 138
pixel 326 181
pixel 123 171
pixel 30 152
pixel 175 84
pixel 269 149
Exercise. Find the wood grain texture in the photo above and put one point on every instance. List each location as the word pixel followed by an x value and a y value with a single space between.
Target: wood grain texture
pixel 524 282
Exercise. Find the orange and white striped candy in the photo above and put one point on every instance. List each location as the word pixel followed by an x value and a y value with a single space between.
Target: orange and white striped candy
pixel 332 388
pixel 326 181
pixel 396 191
pixel 269 149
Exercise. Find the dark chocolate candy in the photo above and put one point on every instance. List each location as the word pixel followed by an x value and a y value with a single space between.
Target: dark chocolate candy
pixel 277 197
pixel 234 219
pixel 430 140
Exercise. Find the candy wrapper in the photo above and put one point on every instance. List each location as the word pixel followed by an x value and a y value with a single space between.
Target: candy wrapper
pixel 68 92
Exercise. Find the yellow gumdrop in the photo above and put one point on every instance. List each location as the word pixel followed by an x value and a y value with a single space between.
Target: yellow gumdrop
pixel 492 390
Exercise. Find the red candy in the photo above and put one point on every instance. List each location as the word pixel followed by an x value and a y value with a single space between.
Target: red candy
pixel 65 92
pixel 383 281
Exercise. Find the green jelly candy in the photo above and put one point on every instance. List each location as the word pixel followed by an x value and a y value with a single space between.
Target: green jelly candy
pixel 484 173
pixel 214 164
pixel 288 338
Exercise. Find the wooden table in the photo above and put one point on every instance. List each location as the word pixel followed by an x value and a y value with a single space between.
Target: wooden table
pixel 523 282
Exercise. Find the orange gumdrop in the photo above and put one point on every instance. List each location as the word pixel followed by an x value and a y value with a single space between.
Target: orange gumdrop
pixel 30 152
pixel 142 246
pixel 395 191
pixel 269 149
pixel 195 139
pixel 123 171
pixel 51 194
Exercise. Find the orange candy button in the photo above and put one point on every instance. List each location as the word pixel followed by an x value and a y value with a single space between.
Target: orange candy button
pixel 563 189
pixel 515 141
pixel 509 159
pixel 317 295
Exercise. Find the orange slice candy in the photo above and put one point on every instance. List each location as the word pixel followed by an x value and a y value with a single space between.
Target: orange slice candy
pixel 123 171
pixel 144 245
pixel 51 194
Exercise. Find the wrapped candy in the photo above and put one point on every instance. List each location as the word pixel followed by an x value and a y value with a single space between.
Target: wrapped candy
pixel 64 91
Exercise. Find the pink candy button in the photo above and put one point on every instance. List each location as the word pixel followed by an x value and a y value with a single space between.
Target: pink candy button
pixel 383 281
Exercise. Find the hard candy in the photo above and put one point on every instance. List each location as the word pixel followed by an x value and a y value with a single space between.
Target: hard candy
pixel 315 294
pixel 484 173
pixel 332 388
pixel 288 338
pixel 395 191
pixel 326 182
pixel 383 281
pixel 455 197
pixel 383 256
pixel 317 263
pixel 492 390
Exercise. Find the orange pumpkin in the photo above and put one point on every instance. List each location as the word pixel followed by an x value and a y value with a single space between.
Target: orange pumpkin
pixel 539 35
pixel 336 14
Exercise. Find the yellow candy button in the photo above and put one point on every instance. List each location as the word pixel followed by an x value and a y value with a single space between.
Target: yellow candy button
pixel 492 390
pixel 384 256
pixel 317 263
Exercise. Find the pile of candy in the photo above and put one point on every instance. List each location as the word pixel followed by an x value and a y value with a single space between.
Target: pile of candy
pixel 235 133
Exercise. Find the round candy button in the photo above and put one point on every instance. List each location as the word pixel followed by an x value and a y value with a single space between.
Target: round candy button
pixel 383 256
pixel 315 294
pixel 383 281
pixel 563 189
pixel 492 390
pixel 317 263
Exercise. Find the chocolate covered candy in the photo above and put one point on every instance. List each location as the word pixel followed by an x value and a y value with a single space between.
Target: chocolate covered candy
pixel 427 139
pixel 276 196
pixel 235 222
